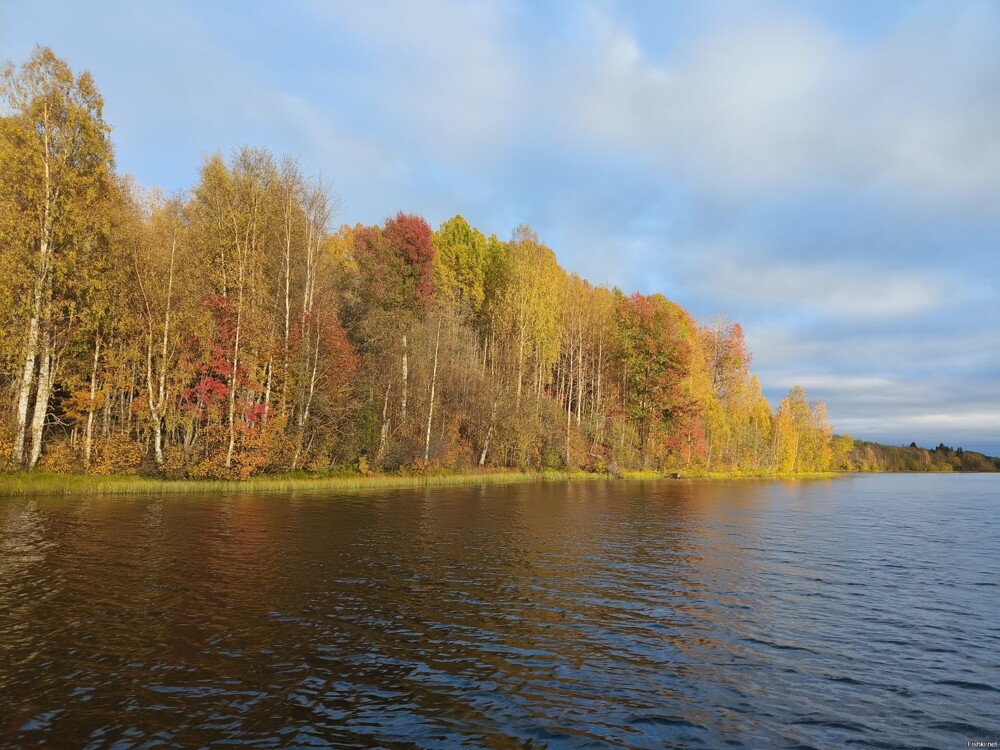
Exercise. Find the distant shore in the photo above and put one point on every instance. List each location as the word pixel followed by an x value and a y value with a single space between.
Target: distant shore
pixel 24 484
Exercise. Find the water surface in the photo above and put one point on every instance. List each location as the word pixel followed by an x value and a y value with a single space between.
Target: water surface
pixel 859 611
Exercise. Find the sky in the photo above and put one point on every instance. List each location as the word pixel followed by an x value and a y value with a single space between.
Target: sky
pixel 827 174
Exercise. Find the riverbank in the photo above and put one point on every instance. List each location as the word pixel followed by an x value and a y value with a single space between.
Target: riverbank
pixel 23 484
pixel 41 483
pixel 764 475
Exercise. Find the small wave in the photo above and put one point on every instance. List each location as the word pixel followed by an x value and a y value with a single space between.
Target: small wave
pixel 830 724
pixel 845 680
pixel 663 721
pixel 779 646
pixel 969 685
pixel 960 728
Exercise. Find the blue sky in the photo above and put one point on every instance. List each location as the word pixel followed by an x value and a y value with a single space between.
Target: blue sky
pixel 825 173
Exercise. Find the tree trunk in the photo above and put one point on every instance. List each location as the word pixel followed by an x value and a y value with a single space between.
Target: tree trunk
pixel 267 390
pixel 106 420
pixel 569 402
pixel 430 409
pixel 489 432
pixel 384 434
pixel 520 366
pixel 232 382
pixel 41 401
pixel 88 444
pixel 127 404
pixel 402 417
pixel 308 404
pixel 155 418
pixel 156 408
pixel 288 307
pixel 27 380
pixel 597 398
pixel 31 354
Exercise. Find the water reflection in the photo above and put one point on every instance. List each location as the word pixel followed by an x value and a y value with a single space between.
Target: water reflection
pixel 613 613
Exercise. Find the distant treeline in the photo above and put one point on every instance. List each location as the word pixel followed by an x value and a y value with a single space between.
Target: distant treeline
pixel 231 331
pixel 865 456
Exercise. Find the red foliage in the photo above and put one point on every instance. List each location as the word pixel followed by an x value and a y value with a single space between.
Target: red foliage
pixel 210 389
pixel 727 356
pixel 253 414
pixel 221 308
pixel 412 238
pixel 655 349
pixel 212 374
pixel 340 356
pixel 397 263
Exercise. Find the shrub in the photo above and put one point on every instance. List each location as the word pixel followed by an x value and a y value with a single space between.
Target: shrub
pixel 59 457
pixel 117 456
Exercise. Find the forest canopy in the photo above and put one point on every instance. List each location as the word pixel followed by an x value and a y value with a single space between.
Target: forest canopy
pixel 235 330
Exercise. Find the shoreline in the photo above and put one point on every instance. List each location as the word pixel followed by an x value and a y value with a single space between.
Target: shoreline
pixel 37 484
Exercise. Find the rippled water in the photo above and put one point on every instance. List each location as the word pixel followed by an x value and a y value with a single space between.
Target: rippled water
pixel 858 611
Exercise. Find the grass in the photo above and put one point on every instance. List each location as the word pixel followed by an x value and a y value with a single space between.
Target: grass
pixel 25 484
pixel 763 475
pixel 41 483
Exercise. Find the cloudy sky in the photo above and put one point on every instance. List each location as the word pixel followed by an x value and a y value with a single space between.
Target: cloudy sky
pixel 826 173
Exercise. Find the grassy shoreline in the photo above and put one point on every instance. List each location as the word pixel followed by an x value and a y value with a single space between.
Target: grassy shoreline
pixel 41 483
pixel 24 484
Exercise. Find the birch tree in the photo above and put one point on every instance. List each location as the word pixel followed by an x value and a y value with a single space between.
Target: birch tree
pixel 55 157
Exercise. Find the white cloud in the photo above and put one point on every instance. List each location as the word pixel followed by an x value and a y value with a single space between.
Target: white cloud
pixel 843 384
pixel 967 419
pixel 441 73
pixel 788 103
pixel 844 290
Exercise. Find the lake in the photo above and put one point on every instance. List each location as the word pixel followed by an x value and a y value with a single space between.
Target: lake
pixel 861 611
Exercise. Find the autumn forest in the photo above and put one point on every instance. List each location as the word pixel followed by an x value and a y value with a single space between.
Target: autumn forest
pixel 236 330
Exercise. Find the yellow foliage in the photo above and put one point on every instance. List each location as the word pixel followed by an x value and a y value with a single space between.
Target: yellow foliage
pixel 59 457
pixel 7 430
pixel 117 456
pixel 251 455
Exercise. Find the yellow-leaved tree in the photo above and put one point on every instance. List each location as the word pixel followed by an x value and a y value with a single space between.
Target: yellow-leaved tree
pixel 56 162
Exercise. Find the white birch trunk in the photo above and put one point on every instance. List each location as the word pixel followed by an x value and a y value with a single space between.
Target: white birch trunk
pixel 308 403
pixel 430 409
pixel 405 380
pixel 288 307
pixel 489 432
pixel 42 394
pixel 232 380
pixel 27 381
pixel 88 441
pixel 569 403
pixel 384 435
pixel 520 366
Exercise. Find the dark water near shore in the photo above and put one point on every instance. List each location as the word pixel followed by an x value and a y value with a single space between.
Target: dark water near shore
pixel 861 611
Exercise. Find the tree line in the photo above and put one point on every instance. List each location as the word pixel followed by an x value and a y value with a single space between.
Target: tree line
pixel 866 456
pixel 234 330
